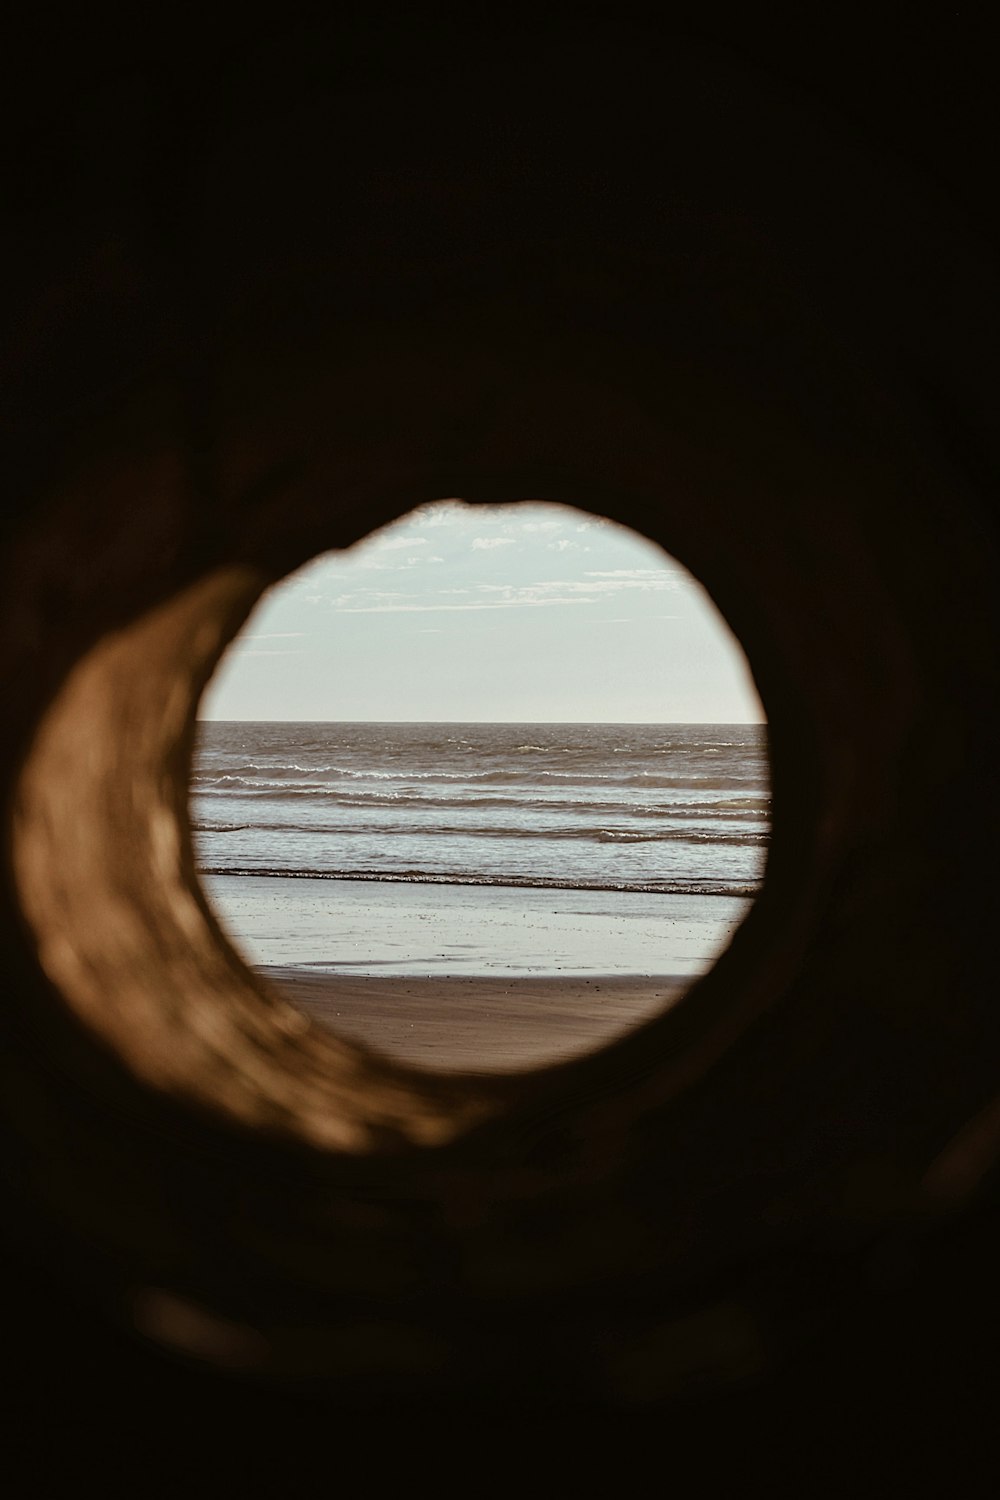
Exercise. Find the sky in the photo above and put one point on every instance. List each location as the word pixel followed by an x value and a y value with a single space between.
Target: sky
pixel 526 613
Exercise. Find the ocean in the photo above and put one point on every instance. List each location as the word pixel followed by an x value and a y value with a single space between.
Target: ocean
pixel 481 849
pixel 669 809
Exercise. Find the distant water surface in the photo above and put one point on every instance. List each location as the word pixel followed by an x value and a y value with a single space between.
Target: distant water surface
pixel 670 808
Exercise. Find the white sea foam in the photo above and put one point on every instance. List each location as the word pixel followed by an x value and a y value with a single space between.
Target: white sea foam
pixel 647 808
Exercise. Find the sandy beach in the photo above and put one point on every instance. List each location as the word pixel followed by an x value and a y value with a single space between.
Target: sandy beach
pixel 380 929
pixel 476 1024
pixel 473 978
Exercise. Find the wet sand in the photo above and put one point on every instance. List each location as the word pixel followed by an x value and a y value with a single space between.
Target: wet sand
pixel 476 1024
pixel 481 979
pixel 503 932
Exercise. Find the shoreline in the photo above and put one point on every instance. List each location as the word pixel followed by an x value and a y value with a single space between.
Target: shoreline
pixel 382 929
pixel 484 883
pixel 469 1023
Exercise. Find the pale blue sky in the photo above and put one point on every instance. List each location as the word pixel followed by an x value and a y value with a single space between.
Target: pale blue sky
pixel 524 612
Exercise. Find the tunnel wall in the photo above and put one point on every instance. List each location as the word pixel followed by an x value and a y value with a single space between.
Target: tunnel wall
pixel 668 288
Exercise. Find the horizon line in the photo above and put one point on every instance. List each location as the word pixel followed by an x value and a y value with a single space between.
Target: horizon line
pixel 663 722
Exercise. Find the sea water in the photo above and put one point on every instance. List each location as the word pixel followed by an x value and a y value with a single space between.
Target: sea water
pixel 482 848
pixel 673 809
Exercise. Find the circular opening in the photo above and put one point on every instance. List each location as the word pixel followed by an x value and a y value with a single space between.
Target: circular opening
pixel 122 927
pixel 486 791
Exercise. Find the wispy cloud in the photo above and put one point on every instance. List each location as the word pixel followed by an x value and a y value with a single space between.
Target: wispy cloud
pixel 420 609
pixel 374 563
pixel 487 543
pixel 654 574
pixel 441 513
pixel 398 543
pixel 592 585
pixel 545 594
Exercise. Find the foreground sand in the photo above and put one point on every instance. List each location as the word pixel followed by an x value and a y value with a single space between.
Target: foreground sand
pixel 477 1024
